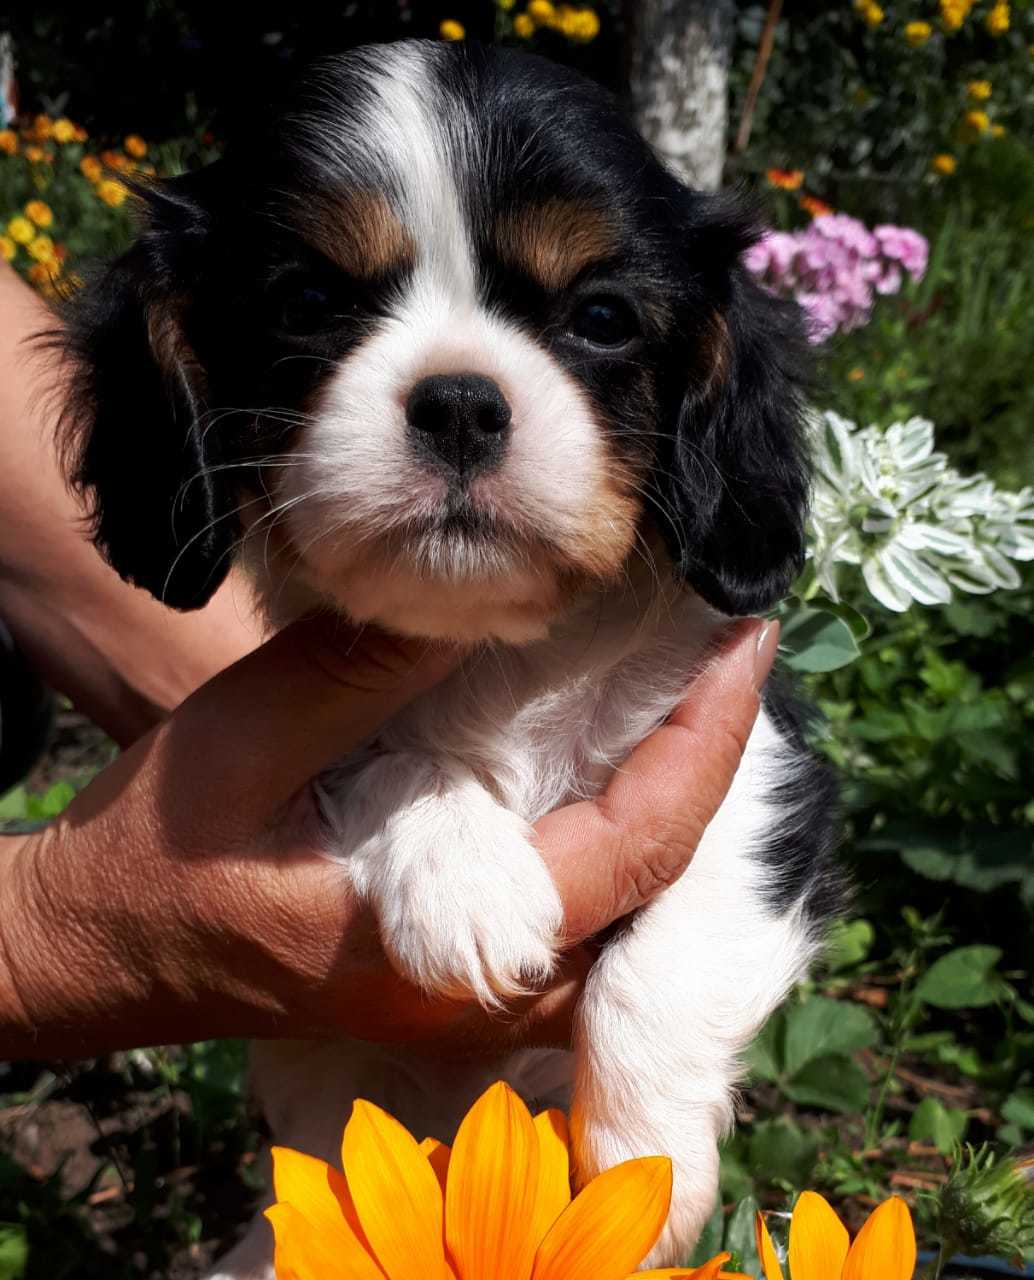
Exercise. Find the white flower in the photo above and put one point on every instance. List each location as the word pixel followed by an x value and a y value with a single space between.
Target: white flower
pixel 887 503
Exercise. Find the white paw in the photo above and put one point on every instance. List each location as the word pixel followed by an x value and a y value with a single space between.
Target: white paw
pixel 465 903
pixel 476 916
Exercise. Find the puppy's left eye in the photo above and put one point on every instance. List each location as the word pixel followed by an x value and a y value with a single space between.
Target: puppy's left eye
pixel 605 321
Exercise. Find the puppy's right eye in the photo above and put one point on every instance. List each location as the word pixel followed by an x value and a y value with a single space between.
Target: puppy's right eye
pixel 305 305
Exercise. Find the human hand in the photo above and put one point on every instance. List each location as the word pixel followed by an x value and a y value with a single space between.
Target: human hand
pixel 184 895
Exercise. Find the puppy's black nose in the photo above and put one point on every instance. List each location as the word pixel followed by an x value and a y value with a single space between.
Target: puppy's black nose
pixel 462 418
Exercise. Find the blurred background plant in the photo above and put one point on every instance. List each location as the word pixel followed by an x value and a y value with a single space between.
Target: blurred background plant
pixel 890 148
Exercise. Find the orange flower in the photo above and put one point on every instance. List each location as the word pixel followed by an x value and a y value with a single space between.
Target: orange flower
pixel 814 206
pixel 91 168
pixel 135 145
pixel 39 212
pixel 8 142
pixel 785 179
pixel 115 160
pixel 498 1204
pixel 36 155
pixel 884 1249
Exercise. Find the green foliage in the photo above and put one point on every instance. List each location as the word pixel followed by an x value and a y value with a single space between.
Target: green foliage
pixel 863 112
pixel 956 347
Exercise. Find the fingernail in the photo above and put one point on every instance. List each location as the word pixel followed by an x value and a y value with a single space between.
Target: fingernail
pixel 765 653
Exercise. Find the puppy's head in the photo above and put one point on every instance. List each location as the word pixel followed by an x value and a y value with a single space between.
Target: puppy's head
pixel 443 346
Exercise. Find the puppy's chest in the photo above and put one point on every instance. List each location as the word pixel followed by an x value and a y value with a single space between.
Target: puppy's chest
pixel 543 725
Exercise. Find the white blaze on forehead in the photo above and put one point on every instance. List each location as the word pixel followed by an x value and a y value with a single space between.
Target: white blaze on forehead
pixel 421 156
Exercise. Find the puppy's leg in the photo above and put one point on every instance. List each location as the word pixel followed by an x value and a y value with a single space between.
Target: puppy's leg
pixel 464 901
pixel 675 999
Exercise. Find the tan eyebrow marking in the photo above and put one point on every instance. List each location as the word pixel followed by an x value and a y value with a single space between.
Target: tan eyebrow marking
pixel 361 232
pixel 555 240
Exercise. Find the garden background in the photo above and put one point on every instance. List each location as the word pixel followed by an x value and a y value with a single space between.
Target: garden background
pixel 892 150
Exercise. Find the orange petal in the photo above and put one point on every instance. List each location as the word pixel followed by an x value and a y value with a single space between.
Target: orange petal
pixel 437 1154
pixel 492 1189
pixel 766 1250
pixel 610 1226
pixel 302 1253
pixel 554 1191
pixel 318 1192
pixel 396 1194
pixel 818 1240
pixel 709 1270
pixel 885 1248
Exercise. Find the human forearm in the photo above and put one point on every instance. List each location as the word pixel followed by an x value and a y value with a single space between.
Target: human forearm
pixel 122 657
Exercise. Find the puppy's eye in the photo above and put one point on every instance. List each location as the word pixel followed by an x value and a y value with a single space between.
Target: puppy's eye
pixel 605 321
pixel 305 305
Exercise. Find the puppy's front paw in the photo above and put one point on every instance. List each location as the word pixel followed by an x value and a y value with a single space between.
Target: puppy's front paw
pixel 473 912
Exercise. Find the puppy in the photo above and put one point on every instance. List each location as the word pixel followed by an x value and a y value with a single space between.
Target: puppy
pixel 445 348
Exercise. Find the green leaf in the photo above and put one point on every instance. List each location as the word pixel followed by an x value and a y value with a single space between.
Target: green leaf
pixel 1018 1108
pixel 821 1026
pixel 781 1152
pixel 765 1055
pixel 739 1236
pixel 14 1251
pixel 834 1083
pixel 815 640
pixel 14 805
pixel 933 1122
pixel 848 943
pixel 962 979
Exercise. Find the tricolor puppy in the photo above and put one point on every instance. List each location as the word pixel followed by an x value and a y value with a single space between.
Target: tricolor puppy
pixel 445 348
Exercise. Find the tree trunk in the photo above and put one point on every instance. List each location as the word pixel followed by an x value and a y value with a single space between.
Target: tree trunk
pixel 679 52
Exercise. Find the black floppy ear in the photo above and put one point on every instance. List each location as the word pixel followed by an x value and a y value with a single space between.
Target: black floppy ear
pixel 133 426
pixel 735 482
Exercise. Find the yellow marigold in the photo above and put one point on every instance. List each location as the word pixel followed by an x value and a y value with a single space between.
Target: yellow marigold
pixel 944 163
pixel 506 4
pixel 998 131
pixel 8 142
pixel 64 130
pixel 91 168
pixel 979 90
pixel 21 230
pixel 917 33
pixel 135 145
pixel 871 13
pixel 978 121
pixel 785 179
pixel 42 249
pixel 7 248
pixel 523 26
pixel 998 20
pixel 542 11
pixel 954 13
pixel 450 29
pixel 40 212
pixel 583 24
pixel 112 192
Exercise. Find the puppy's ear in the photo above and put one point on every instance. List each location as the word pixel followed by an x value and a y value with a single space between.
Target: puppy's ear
pixel 133 427
pixel 735 479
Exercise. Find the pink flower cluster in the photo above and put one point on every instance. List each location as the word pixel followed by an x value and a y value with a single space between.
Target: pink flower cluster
pixel 836 266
